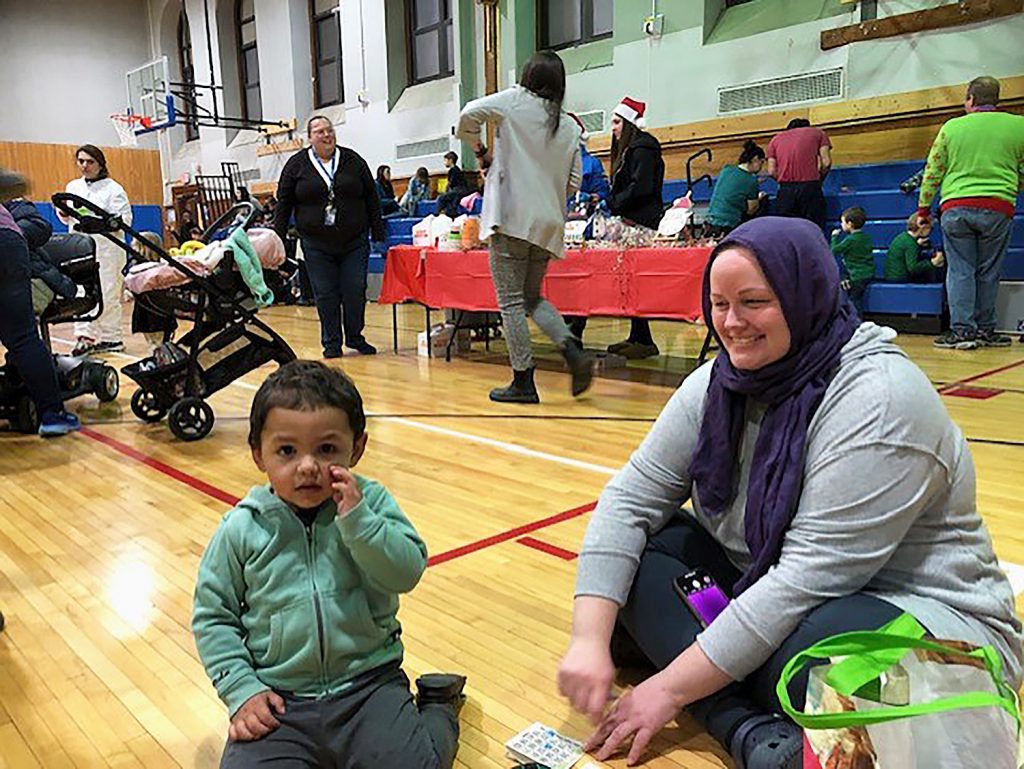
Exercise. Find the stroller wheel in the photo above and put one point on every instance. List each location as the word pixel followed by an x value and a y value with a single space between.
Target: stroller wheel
pixel 26 418
pixel 105 383
pixel 191 419
pixel 146 407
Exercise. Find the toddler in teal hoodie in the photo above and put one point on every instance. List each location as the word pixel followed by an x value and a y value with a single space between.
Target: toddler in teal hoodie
pixel 297 595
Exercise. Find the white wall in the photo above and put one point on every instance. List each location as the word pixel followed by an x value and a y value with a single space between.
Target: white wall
pixel 64 67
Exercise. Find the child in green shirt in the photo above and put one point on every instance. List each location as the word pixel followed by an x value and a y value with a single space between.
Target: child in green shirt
pixel 854 252
pixel 296 599
pixel 906 260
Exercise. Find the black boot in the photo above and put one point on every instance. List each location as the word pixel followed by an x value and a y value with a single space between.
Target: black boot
pixel 581 366
pixel 522 389
pixel 440 689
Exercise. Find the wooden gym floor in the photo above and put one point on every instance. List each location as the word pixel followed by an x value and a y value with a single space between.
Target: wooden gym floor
pixel 101 535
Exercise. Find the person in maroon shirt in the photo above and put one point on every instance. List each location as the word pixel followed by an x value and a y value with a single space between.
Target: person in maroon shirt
pixel 799 158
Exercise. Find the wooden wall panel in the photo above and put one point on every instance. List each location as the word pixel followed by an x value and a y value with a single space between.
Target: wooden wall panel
pixel 50 167
pixel 892 127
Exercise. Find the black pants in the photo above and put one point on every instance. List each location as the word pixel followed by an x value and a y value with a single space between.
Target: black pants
pixel 339 287
pixel 662 627
pixel 639 328
pixel 18 330
pixel 376 724
pixel 448 202
pixel 801 199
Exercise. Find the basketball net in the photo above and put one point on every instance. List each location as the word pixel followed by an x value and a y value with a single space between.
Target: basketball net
pixel 126 124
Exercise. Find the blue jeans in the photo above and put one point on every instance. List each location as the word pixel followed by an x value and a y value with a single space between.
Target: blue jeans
pixel 18 330
pixel 339 284
pixel 976 241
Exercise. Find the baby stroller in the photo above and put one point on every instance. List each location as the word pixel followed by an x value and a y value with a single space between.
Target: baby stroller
pixel 227 339
pixel 74 255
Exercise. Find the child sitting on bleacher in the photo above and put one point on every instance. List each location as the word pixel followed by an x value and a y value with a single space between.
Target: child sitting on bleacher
pixel 854 254
pixel 910 258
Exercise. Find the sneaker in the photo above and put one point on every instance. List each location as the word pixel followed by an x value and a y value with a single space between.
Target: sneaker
pixel 639 351
pixel 992 338
pixel 954 340
pixel 332 354
pixel 84 346
pixel 109 347
pixel 363 348
pixel 55 423
pixel 440 689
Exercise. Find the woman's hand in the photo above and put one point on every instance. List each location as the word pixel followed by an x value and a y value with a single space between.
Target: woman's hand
pixel 640 713
pixel 585 676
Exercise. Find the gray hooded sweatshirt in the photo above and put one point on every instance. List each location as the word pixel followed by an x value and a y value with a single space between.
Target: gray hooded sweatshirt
pixel 887 507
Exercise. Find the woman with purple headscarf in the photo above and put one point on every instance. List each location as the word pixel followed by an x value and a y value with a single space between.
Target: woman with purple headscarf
pixel 826 490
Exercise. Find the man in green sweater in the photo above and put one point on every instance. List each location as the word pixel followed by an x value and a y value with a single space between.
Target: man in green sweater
pixel 903 260
pixel 854 252
pixel 978 161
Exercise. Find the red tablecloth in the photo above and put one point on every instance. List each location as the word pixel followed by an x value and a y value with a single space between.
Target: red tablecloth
pixel 639 283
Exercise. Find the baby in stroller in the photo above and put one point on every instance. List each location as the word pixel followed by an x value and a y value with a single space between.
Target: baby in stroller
pixel 217 287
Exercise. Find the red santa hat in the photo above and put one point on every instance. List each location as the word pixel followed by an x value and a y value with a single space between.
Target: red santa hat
pixel 631 111
pixel 584 134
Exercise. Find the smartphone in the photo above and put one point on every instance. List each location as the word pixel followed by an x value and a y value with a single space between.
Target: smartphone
pixel 702 595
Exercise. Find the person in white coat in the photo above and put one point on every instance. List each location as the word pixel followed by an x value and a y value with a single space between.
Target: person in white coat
pixel 95 185
pixel 534 169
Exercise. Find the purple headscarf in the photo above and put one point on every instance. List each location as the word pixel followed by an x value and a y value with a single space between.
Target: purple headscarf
pixel 801 270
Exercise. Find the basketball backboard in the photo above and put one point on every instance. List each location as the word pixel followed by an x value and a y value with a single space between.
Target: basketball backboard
pixel 149 95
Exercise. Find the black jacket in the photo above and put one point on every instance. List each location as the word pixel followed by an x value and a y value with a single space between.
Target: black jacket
pixel 457 181
pixel 37 232
pixel 636 188
pixel 301 190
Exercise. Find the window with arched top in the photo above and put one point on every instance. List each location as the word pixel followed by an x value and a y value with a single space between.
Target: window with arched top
pixel 185 103
pixel 325 29
pixel 248 59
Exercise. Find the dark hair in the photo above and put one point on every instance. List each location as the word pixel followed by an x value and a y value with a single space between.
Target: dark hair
pixel 620 145
pixel 855 216
pixel 306 385
pixel 423 174
pixel 96 154
pixel 380 172
pixel 984 90
pixel 451 156
pixel 309 123
pixel 751 151
pixel 544 76
pixel 799 122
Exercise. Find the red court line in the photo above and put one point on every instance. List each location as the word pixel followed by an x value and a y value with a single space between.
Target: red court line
pixel 977 393
pixel 162 467
pixel 515 533
pixel 223 496
pixel 982 375
pixel 545 547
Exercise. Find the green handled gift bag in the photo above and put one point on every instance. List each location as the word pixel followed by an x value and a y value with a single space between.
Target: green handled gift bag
pixel 893 699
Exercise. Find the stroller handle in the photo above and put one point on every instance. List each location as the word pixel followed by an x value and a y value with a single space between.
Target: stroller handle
pixel 240 214
pixel 72 206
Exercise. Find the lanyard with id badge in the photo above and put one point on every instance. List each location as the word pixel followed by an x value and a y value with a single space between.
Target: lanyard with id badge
pixel 330 214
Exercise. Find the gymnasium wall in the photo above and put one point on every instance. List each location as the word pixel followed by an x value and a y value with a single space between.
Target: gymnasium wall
pixel 64 66
pixel 705 46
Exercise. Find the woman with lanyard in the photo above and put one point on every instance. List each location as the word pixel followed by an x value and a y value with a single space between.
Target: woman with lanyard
pixel 334 198
pixel 95 185
pixel 827 490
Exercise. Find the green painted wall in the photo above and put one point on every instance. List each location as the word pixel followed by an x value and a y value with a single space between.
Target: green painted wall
pixel 766 15
pixel 395 35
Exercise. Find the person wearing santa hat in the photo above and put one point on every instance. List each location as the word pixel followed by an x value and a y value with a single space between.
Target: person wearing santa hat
pixel 638 172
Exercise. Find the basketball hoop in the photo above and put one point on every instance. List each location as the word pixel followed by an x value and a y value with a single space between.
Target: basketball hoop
pixel 126 124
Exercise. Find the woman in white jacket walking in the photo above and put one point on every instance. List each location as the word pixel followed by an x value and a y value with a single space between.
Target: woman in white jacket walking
pixel 95 185
pixel 535 168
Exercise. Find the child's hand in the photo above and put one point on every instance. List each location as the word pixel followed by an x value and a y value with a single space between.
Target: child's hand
pixel 845 284
pixel 346 490
pixel 255 719
pixel 938 259
pixel 836 231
